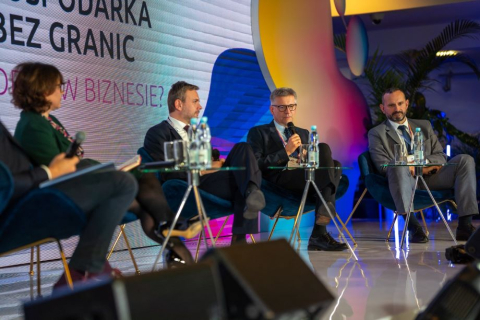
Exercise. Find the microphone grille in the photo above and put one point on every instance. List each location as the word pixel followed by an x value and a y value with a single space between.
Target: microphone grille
pixel 80 136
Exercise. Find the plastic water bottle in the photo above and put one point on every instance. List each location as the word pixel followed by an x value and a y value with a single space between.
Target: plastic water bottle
pixel 418 147
pixel 313 154
pixel 193 144
pixel 204 146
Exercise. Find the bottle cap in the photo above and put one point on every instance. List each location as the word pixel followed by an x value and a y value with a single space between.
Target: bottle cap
pixel 204 120
pixel 418 130
pixel 314 128
pixel 193 121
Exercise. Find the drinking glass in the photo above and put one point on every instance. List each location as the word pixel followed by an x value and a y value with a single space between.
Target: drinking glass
pixel 180 153
pixel 400 154
pixel 168 150
pixel 303 155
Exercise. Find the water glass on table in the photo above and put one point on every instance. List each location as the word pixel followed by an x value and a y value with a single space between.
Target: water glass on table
pixel 303 155
pixel 400 154
pixel 180 153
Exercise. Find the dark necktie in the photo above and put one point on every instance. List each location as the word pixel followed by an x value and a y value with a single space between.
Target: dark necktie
pixel 288 134
pixel 407 138
pixel 186 128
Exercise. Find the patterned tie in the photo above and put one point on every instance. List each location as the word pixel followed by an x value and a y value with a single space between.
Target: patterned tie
pixel 186 128
pixel 288 134
pixel 407 138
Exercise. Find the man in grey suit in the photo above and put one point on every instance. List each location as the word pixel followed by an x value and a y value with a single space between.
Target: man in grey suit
pixel 397 129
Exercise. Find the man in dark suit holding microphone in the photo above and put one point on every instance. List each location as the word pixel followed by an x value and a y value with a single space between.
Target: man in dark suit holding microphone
pixel 276 144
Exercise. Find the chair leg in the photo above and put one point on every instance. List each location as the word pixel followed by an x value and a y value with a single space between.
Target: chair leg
pixel 252 238
pixel 115 243
pixel 68 276
pixel 39 284
pixel 275 223
pixel 198 246
pixel 32 250
pixel 391 227
pixel 221 229
pixel 122 231
pixel 356 205
pixel 345 228
pixel 424 223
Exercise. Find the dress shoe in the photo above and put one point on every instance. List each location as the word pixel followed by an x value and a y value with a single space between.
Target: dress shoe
pixel 113 272
pixel 417 235
pixel 325 242
pixel 254 202
pixel 177 254
pixel 183 229
pixel 464 232
pixel 84 276
pixel 238 239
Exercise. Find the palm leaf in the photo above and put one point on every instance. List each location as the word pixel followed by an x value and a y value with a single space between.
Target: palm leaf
pixel 340 42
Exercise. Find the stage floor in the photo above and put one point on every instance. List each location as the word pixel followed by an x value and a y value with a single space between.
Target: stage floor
pixel 383 284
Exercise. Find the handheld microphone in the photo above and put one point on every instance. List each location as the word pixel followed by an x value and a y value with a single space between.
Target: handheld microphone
pixel 291 127
pixel 73 148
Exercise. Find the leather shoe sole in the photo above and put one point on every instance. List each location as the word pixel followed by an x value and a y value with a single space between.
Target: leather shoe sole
pixel 325 243
pixel 254 203
pixel 418 236
pixel 463 234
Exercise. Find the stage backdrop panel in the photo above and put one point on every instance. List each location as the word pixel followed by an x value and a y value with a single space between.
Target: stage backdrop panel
pixel 119 59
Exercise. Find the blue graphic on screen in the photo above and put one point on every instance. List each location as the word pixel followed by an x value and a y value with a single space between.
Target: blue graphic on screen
pixel 238 99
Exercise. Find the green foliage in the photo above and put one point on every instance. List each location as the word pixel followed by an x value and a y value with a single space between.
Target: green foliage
pixel 410 72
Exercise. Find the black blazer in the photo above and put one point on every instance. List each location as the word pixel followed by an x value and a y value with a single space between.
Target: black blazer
pixel 26 175
pixel 153 144
pixel 268 147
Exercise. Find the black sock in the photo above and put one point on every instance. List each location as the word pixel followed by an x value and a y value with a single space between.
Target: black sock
pixel 250 187
pixel 413 222
pixel 327 193
pixel 464 221
pixel 318 230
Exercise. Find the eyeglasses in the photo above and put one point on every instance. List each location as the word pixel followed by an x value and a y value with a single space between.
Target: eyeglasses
pixel 61 86
pixel 282 107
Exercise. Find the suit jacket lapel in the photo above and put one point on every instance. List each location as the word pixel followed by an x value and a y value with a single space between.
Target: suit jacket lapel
pixel 274 136
pixel 391 132
pixel 173 132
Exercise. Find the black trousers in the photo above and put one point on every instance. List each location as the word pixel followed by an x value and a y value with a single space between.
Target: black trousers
pixel 104 198
pixel 327 180
pixel 231 185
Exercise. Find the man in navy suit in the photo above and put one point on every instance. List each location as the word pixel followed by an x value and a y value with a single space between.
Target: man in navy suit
pixel 274 145
pixel 103 197
pixel 242 187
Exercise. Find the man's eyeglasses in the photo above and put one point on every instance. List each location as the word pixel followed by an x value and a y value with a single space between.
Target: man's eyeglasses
pixel 283 107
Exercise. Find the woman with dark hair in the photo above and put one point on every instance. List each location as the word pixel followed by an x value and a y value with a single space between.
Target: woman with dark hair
pixel 37 91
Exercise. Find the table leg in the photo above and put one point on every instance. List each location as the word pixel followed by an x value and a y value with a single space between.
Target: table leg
pixel 404 233
pixel 333 219
pixel 298 218
pixel 177 215
pixel 203 216
pixel 439 211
